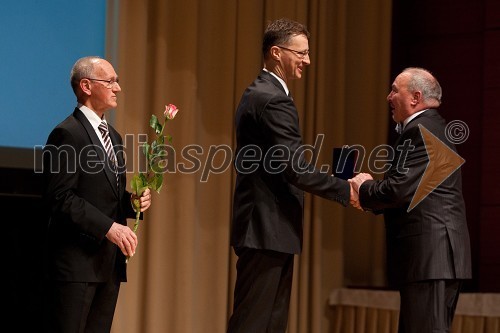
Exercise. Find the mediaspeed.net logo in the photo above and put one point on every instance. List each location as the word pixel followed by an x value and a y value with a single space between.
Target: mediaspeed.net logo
pixel 213 160
pixel 443 161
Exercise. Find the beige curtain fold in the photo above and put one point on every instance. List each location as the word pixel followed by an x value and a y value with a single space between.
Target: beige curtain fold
pixel 370 311
pixel 350 319
pixel 201 55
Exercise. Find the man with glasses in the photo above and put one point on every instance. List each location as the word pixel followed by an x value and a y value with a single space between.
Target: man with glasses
pixel 271 177
pixel 88 237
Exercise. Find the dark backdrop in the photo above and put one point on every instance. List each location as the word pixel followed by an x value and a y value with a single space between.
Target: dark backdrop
pixel 23 248
pixel 459 41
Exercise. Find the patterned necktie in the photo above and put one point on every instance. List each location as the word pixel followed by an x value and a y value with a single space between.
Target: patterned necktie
pixel 103 128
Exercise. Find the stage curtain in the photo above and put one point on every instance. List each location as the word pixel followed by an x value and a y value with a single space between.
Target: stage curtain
pixel 200 55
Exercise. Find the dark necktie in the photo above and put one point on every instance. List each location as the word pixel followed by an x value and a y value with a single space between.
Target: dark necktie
pixel 103 128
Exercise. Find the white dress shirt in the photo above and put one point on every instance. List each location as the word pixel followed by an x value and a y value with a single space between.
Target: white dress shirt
pixel 94 120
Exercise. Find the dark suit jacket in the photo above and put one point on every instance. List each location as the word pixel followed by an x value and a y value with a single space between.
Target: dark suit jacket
pixel 268 195
pixel 431 241
pixel 83 201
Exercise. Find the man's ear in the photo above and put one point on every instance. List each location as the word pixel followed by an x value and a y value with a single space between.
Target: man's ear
pixel 275 53
pixel 85 86
pixel 416 98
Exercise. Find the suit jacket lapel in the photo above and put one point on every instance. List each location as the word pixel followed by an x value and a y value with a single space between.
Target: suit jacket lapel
pixel 269 77
pixel 412 123
pixel 101 153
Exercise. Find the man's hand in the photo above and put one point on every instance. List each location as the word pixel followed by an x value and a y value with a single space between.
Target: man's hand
pixel 354 200
pixel 123 237
pixel 144 199
pixel 359 179
pixel 355 184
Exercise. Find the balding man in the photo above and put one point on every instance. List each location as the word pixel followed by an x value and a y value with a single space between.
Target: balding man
pixel 428 245
pixel 88 236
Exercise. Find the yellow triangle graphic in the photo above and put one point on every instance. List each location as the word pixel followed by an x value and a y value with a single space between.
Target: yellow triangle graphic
pixel 443 162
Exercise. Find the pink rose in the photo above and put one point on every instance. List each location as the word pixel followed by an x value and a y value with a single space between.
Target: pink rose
pixel 170 111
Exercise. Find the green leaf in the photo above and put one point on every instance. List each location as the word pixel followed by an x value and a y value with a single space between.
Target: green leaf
pixel 158 162
pixel 160 140
pixel 153 122
pixel 157 182
pixel 158 150
pixel 138 184
pixel 156 168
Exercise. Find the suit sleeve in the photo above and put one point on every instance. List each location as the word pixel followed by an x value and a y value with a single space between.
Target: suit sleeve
pixel 280 119
pixel 62 174
pixel 401 181
pixel 127 206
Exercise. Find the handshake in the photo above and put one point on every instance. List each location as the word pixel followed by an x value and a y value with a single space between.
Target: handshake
pixel 355 183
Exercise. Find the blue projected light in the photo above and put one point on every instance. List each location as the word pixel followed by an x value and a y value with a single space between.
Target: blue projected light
pixel 40 41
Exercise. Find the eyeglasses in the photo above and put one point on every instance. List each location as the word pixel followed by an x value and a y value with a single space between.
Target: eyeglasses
pixel 300 54
pixel 110 83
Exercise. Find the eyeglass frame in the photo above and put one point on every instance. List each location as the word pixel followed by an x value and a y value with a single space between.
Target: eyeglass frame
pixel 300 54
pixel 110 83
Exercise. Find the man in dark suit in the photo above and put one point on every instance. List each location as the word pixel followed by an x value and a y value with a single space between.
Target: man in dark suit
pixel 271 177
pixel 428 243
pixel 88 237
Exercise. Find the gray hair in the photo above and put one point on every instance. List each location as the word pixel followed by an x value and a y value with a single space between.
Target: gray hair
pixel 422 80
pixel 83 68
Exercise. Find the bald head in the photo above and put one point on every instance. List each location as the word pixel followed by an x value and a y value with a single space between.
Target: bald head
pixel 83 68
pixel 95 84
pixel 420 79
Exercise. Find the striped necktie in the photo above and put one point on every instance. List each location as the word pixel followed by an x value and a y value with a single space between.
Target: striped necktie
pixel 103 128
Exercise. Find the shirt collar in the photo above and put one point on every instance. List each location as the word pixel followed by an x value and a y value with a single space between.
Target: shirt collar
pixel 92 117
pixel 279 79
pixel 410 118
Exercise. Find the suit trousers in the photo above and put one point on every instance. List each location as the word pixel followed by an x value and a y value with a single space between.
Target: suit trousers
pixel 81 307
pixel 428 306
pixel 262 291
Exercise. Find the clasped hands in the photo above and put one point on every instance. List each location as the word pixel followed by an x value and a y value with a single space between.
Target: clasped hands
pixel 355 184
pixel 122 235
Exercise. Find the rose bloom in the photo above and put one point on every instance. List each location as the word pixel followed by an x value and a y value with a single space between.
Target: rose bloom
pixel 170 111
